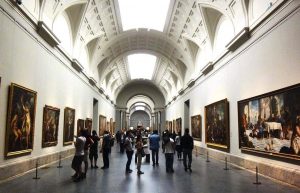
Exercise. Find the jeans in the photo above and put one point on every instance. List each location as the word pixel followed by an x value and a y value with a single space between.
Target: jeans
pixel 169 162
pixel 129 158
pixel 155 156
pixel 187 153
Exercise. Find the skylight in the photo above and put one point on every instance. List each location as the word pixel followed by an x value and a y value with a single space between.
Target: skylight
pixel 141 66
pixel 150 14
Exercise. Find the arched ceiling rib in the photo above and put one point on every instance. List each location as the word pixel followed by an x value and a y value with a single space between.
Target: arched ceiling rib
pixel 96 25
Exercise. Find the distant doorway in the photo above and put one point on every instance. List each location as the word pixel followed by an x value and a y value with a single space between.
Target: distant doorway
pixel 95 114
pixel 186 119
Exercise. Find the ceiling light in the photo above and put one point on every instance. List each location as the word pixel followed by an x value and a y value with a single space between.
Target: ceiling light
pixel 149 14
pixel 141 66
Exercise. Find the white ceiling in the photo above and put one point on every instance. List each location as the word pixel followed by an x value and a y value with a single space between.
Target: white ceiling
pixel 185 46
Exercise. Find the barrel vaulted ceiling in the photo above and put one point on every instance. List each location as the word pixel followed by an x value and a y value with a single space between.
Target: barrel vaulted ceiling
pixel 189 41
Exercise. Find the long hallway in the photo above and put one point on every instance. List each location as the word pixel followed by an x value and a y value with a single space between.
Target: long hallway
pixel 207 177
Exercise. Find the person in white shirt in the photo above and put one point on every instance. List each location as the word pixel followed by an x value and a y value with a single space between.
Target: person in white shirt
pixel 169 152
pixel 78 157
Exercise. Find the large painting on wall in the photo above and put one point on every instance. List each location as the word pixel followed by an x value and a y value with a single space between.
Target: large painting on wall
pixel 196 127
pixel 50 126
pixel 178 125
pixel 88 124
pixel 269 124
pixel 20 121
pixel 69 122
pixel 80 126
pixel 111 122
pixel 217 125
pixel 102 125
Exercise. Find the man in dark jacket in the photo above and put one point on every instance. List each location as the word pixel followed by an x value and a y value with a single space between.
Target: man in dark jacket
pixel 187 144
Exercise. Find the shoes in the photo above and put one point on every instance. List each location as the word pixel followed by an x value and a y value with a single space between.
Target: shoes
pixel 157 164
pixel 185 169
pixel 190 169
pixel 96 167
pixel 140 172
pixel 83 175
pixel 92 166
pixel 104 167
pixel 153 164
pixel 128 171
pixel 77 179
pixel 74 175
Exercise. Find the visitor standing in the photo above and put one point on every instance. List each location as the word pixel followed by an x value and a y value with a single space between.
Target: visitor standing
pixel 178 145
pixel 94 149
pixel 78 157
pixel 129 150
pixel 154 146
pixel 187 144
pixel 105 149
pixel 169 152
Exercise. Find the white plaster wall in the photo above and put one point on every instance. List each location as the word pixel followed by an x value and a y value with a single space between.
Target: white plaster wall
pixel 270 63
pixel 25 62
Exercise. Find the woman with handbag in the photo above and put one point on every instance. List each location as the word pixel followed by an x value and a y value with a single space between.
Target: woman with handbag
pixel 139 153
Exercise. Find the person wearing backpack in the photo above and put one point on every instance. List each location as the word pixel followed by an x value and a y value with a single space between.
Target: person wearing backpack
pixel 187 144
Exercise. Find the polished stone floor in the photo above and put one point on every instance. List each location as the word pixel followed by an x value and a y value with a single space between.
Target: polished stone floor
pixel 207 177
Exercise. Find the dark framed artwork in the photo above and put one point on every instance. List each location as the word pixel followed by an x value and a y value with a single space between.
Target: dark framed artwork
pixel 20 121
pixel 217 125
pixel 102 125
pixel 50 126
pixel 269 124
pixel 196 125
pixel 69 124
pixel 178 125
pixel 88 124
pixel 80 126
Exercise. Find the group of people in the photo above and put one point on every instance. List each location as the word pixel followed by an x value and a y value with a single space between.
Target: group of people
pixel 87 146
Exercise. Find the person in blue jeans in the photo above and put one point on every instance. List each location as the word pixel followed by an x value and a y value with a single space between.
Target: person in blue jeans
pixel 154 139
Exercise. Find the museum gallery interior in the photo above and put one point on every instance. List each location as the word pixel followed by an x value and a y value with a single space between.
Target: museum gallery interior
pixel 226 69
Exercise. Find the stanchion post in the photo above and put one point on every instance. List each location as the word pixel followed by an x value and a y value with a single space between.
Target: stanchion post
pixel 59 162
pixel 36 171
pixel 207 157
pixel 257 182
pixel 226 168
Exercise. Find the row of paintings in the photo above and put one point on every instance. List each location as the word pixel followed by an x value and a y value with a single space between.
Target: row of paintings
pixel 21 119
pixel 269 124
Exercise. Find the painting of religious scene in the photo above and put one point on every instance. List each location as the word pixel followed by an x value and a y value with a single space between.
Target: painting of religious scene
pixel 196 127
pixel 217 125
pixel 178 125
pixel 80 126
pixel 20 121
pixel 88 124
pixel 270 123
pixel 69 122
pixel 50 126
pixel 102 125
